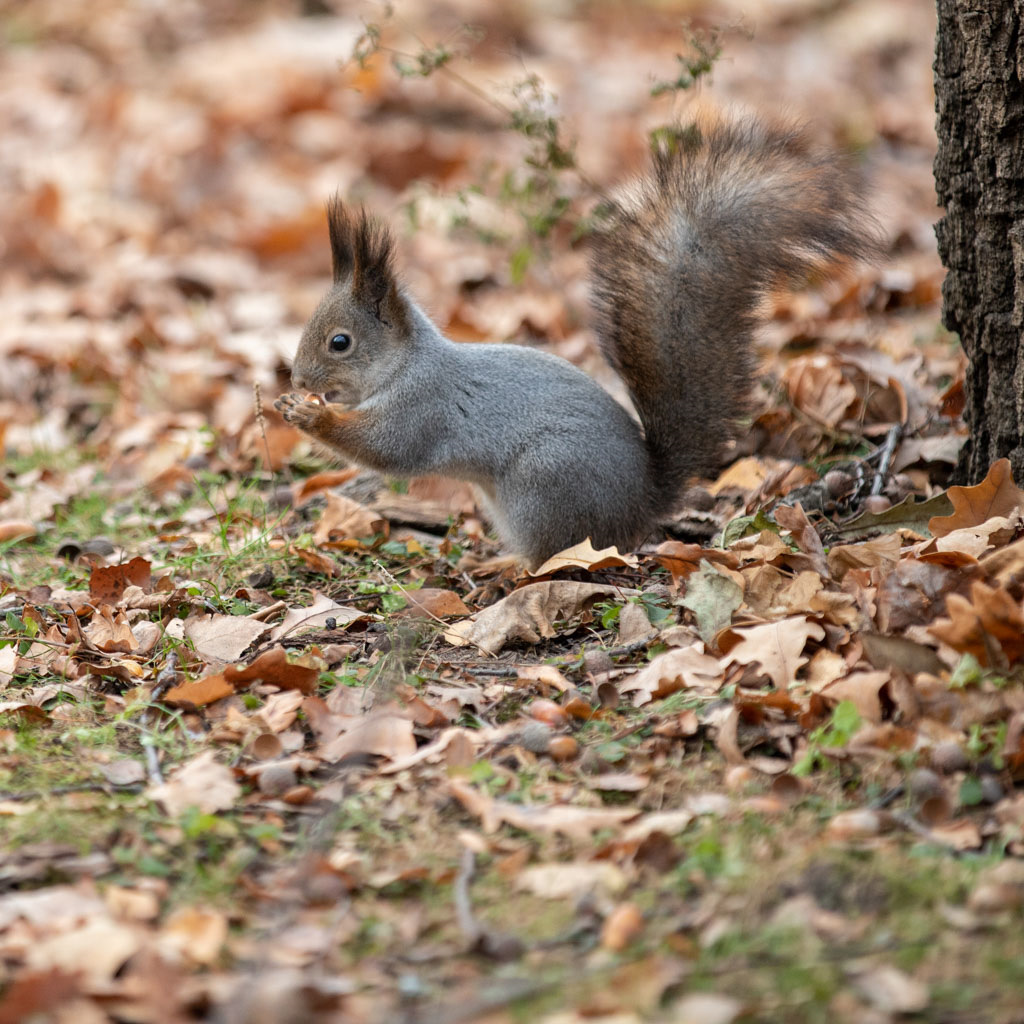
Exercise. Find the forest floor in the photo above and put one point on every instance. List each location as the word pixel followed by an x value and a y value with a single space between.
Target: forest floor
pixel 281 742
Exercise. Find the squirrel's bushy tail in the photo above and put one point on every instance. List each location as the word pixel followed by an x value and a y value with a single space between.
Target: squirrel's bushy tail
pixel 732 208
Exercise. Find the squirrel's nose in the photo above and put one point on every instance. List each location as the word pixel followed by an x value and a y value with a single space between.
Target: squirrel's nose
pixel 299 379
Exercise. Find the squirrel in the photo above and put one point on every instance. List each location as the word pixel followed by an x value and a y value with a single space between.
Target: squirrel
pixel 679 267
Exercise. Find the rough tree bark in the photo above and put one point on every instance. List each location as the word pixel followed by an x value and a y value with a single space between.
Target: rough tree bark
pixel 979 177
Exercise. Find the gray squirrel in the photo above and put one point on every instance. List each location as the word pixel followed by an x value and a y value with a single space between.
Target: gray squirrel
pixel 679 268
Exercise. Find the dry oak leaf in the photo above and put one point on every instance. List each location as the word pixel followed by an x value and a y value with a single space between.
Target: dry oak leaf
pixel 529 614
pixel 794 519
pixel 585 556
pixel 879 551
pixel 344 521
pixel 862 689
pixel 223 638
pixel 578 823
pixel 776 646
pixel 974 541
pixel 677 669
pixel 996 495
pixel 1005 566
pixel 202 783
pixel 988 624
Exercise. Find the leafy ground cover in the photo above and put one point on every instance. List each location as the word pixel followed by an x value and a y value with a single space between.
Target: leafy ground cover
pixel 282 742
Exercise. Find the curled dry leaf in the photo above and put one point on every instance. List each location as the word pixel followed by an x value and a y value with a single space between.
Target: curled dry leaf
pixel 529 614
pixel 95 948
pixel 110 632
pixel 862 688
pixel 585 556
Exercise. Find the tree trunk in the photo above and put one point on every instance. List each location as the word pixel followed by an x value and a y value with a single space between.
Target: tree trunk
pixel 979 177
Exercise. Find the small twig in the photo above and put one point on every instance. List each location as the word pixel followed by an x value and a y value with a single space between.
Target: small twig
pixel 464 917
pixel 153 772
pixel 888 451
pixel 77 787
pixel 262 423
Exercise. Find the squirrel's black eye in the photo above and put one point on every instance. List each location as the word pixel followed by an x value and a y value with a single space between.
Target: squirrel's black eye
pixel 340 343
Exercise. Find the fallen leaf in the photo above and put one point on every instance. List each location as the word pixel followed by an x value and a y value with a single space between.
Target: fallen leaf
pixel 434 603
pixel 301 672
pixel 346 520
pixel 196 933
pixel 776 646
pixel 198 692
pixel 996 495
pixel 96 949
pixel 203 782
pixel 677 669
pixel 383 735
pixel 528 614
pixel 585 556
pixel 706 1008
pixel 316 616
pixel 712 596
pixel 578 823
pixel 223 638
pixel 107 583
pixel 621 927
pixel 572 880
pixel 891 990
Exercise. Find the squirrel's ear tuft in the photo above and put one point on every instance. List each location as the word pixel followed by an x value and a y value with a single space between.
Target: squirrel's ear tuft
pixel 340 226
pixel 363 248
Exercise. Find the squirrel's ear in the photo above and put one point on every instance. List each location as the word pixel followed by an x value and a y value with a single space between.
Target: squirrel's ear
pixel 374 282
pixel 340 227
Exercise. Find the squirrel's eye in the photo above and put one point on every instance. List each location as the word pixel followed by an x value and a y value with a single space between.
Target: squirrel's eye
pixel 340 343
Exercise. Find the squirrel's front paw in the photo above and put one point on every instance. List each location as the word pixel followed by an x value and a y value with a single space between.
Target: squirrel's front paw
pixel 299 411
